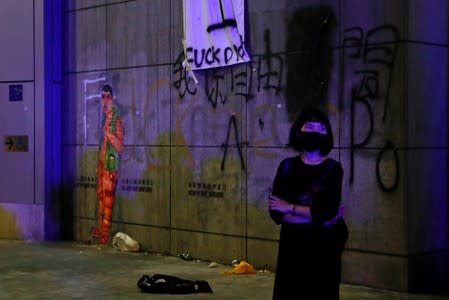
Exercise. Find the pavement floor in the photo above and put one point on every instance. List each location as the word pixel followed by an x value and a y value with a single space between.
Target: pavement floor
pixel 75 270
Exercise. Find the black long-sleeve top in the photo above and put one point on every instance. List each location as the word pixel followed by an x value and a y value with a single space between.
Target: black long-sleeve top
pixel 294 179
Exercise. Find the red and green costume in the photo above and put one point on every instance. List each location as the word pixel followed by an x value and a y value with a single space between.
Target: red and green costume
pixel 107 171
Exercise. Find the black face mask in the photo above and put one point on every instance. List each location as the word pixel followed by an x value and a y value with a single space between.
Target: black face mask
pixel 312 141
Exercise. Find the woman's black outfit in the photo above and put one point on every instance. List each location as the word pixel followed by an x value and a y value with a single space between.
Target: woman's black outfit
pixel 309 257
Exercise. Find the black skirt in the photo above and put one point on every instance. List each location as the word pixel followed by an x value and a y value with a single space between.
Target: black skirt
pixel 309 261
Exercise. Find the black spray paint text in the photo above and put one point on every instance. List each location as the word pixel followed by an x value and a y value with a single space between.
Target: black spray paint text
pixel 214 55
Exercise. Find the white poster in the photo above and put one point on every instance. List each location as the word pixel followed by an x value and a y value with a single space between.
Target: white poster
pixel 214 33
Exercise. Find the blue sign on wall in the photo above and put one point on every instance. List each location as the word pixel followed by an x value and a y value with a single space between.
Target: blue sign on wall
pixel 15 92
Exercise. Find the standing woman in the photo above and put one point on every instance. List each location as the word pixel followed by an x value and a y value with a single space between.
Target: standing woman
pixel 305 201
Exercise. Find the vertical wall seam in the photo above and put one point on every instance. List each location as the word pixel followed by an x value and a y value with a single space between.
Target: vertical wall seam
pixel 245 174
pixel 34 103
pixel 406 209
pixel 339 49
pixel 170 117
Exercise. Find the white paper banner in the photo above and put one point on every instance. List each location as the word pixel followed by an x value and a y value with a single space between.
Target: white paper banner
pixel 214 33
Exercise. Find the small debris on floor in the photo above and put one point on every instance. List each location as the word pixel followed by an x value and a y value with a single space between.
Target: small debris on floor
pixel 186 256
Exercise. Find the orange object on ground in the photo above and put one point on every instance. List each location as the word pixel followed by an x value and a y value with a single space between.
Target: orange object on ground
pixel 242 268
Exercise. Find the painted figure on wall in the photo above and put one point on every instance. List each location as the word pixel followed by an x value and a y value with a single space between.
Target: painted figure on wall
pixel 111 146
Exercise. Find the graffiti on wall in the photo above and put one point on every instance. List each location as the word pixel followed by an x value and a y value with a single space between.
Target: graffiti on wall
pixel 263 73
pixel 214 34
pixel 239 83
pixel 367 62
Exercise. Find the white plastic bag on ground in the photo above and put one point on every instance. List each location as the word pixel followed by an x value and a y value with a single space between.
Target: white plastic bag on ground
pixel 124 242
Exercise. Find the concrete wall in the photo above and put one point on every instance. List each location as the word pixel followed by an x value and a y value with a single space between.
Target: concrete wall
pixel 427 141
pixel 378 67
pixel 361 60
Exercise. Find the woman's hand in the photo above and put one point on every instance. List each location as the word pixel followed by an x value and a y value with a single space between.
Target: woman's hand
pixel 279 204
pixel 340 214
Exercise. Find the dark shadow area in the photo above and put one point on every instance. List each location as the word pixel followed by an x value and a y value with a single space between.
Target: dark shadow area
pixel 67 111
pixel 309 57
pixel 428 273
pixel 67 213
